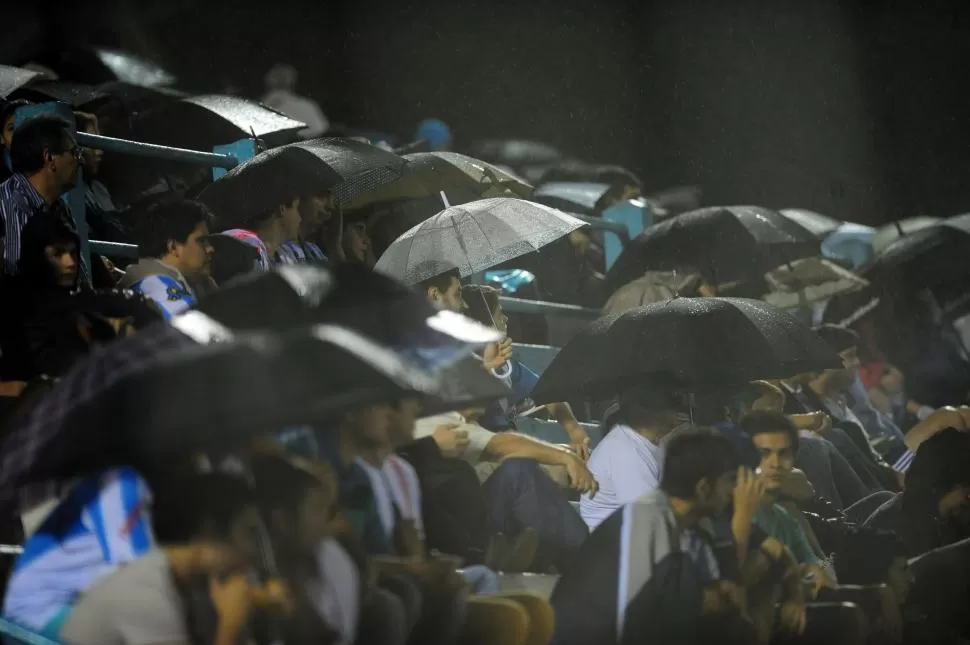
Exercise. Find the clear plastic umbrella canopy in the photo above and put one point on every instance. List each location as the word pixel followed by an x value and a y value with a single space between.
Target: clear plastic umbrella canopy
pixel 474 237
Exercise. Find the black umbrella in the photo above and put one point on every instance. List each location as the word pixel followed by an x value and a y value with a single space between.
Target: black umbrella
pixel 201 122
pixel 219 395
pixel 686 342
pixel 732 243
pixel 374 304
pixel 302 169
pixel 13 78
pixel 71 93
pixel 928 257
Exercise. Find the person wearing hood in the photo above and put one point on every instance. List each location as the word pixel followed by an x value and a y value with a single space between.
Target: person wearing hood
pixel 37 334
pixel 173 239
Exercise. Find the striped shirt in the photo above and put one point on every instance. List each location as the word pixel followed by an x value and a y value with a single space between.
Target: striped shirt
pixel 18 201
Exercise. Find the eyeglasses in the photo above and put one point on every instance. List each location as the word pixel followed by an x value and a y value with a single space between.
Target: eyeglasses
pixel 76 152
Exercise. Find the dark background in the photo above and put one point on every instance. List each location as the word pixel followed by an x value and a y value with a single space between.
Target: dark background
pixel 854 109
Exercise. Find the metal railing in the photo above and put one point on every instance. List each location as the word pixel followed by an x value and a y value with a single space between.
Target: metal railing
pixel 114 249
pixel 153 151
pixel 522 306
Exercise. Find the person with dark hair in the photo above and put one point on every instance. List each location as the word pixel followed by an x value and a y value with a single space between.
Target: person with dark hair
pixel 776 439
pixel 267 231
pixel 444 290
pixel 212 544
pixel 37 330
pixel 172 237
pixel 627 462
pixel 45 159
pixel 659 550
pixel 7 119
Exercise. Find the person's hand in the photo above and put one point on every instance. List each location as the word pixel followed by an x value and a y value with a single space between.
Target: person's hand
pixel 820 578
pixel 795 485
pixel 273 597
pixel 945 417
pixel 579 476
pixel 817 422
pixel 581 448
pixel 497 354
pixel 748 493
pixel 232 599
pixel 451 441
pixel 792 618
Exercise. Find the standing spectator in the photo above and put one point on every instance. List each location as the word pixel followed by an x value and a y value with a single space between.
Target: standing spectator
pixel 45 160
pixel 281 95
pixel 172 240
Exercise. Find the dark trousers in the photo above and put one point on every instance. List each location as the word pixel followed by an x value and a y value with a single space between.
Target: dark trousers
pixel 519 495
pixel 830 473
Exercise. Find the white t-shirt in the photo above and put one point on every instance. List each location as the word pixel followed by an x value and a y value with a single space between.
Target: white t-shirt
pixel 627 466
pixel 395 485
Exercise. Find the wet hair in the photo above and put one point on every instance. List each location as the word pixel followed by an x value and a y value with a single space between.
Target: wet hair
pixel 865 556
pixel 171 219
pixel 767 422
pixel 197 502
pixel 481 300
pixel 442 281
pixel 693 456
pixel 43 229
pixel 838 338
pixel 34 137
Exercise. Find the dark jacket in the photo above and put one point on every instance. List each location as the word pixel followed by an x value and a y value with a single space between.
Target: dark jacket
pixel 38 332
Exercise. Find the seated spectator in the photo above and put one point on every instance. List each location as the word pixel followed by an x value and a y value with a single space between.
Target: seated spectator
pixel 483 305
pixel 934 509
pixel 776 439
pixel 623 183
pixel 628 461
pixel 518 494
pixel 315 213
pixel 104 222
pixel 357 244
pixel 212 540
pixel 44 158
pixel 7 119
pixel 172 238
pixel 270 229
pixel 38 330
pixel 103 523
pixel 655 547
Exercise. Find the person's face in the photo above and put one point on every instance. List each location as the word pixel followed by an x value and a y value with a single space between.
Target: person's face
pixel 244 535
pixel 62 258
pixel 401 429
pixel 91 158
pixel 7 135
pixel 193 257
pixel 900 578
pixel 290 220
pixel 357 242
pixel 450 299
pixel 713 497
pixel 372 425
pixel 64 165
pixel 777 457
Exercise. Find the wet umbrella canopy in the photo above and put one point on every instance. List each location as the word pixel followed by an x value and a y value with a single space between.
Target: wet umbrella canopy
pixel 201 122
pixel 474 237
pixel 13 78
pixel 685 342
pixel 729 242
pixel 280 175
pixel 818 224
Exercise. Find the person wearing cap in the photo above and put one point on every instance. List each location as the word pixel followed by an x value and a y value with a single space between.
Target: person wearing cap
pixel 172 238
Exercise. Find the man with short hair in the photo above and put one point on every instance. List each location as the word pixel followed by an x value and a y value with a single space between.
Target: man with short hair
pixel 776 439
pixel 444 290
pixel 44 156
pixel 172 240
pixel 101 212
pixel 656 552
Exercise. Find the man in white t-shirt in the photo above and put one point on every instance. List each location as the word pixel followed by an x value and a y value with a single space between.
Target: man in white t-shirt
pixel 628 461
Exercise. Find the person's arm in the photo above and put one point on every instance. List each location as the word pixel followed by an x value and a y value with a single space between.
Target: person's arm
pixel 232 599
pixel 578 439
pixel 507 445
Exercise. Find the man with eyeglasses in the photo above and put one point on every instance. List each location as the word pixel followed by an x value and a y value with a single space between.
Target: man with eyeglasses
pixel 45 159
